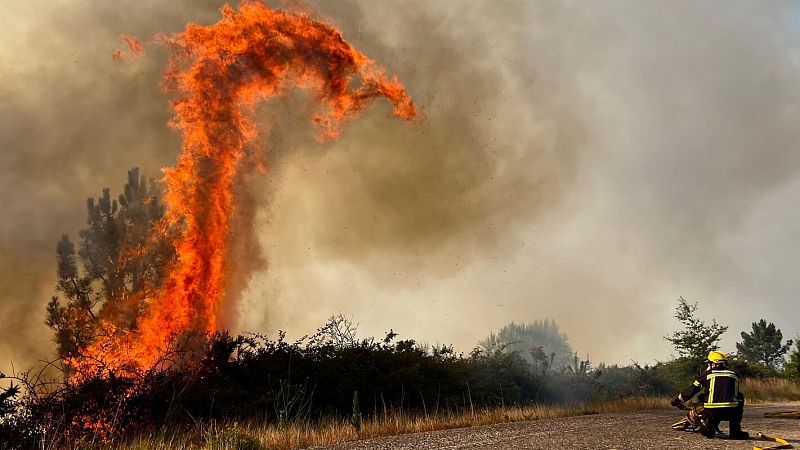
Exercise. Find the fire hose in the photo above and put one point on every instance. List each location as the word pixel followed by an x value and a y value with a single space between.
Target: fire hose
pixel 782 443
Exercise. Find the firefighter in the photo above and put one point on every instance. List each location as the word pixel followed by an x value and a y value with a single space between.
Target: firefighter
pixel 720 399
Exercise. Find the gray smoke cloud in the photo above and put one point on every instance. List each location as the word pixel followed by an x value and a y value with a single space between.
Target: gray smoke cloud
pixel 588 162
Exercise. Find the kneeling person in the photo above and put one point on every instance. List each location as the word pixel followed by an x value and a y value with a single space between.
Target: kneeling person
pixel 721 398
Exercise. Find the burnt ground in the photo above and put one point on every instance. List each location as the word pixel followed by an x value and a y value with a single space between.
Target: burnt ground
pixel 635 430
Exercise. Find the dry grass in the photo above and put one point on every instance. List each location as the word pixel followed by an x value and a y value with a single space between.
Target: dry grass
pixel 770 390
pixel 259 436
pixel 302 435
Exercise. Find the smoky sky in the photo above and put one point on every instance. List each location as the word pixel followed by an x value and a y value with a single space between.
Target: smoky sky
pixel 586 162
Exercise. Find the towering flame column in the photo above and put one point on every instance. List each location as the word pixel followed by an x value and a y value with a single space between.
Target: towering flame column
pixel 218 73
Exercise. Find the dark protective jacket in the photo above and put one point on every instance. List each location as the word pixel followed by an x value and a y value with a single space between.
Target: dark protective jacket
pixel 721 388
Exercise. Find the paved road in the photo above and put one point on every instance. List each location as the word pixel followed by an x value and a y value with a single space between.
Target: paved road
pixel 646 430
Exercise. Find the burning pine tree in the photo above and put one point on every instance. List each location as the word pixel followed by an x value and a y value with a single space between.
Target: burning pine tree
pixel 119 265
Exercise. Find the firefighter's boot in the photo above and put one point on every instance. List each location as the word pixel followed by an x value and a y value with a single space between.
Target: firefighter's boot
pixel 709 427
pixel 737 433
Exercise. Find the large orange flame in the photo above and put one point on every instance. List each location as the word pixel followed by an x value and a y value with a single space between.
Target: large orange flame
pixel 218 74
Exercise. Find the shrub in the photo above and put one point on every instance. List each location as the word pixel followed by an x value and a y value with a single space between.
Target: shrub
pixel 255 378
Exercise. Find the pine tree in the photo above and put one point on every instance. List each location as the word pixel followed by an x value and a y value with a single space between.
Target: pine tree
pixel 123 257
pixel 763 345
pixel 73 323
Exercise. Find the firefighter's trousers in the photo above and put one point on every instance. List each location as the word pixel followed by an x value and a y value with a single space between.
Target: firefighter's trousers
pixel 713 416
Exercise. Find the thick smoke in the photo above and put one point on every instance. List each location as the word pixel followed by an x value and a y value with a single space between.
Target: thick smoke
pixel 399 208
pixel 587 162
pixel 657 130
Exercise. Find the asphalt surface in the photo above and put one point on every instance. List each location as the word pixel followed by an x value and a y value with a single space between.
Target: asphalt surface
pixel 637 430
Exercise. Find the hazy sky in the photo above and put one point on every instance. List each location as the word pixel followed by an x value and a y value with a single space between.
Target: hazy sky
pixel 583 161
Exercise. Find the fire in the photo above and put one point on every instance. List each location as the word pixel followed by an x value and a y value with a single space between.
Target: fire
pixel 217 75
pixel 134 45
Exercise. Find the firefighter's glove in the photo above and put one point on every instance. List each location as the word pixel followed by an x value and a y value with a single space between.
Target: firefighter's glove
pixel 676 402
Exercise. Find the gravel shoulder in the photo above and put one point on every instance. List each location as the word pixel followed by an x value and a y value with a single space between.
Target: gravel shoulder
pixel 635 430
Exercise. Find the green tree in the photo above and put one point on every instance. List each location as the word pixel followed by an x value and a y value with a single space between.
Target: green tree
pixel 540 342
pixel 792 367
pixel 123 257
pixel 763 345
pixel 697 337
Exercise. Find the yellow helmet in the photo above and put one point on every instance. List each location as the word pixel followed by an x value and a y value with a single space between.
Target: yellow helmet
pixel 717 357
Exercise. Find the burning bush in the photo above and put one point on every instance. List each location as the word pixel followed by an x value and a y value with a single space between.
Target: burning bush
pixel 254 378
